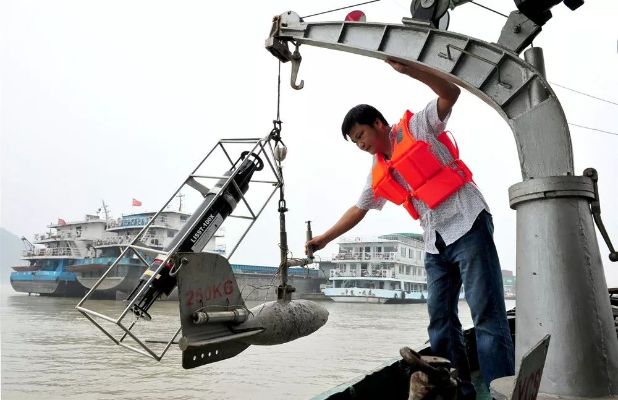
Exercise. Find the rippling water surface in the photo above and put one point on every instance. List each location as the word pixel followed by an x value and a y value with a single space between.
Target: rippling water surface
pixel 50 351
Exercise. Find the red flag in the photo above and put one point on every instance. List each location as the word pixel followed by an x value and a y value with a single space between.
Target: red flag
pixel 61 221
pixel 136 203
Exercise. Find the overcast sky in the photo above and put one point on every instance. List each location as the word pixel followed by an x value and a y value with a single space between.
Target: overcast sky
pixel 117 100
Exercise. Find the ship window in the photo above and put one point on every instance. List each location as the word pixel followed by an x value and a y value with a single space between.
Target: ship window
pixel 378 249
pixel 367 249
pixel 170 234
pixel 403 252
pixel 183 218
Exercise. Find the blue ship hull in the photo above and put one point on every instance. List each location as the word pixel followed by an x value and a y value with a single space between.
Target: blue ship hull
pixel 51 280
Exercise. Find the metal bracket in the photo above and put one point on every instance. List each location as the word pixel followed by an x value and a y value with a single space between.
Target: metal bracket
pixel 448 56
pixel 518 32
pixel 595 208
pixel 277 47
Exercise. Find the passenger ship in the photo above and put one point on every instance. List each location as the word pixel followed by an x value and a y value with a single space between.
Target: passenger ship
pixel 47 271
pixel 68 260
pixel 119 233
pixel 388 269
pixel 76 254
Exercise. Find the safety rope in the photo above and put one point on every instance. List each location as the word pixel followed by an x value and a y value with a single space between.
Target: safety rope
pixel 341 8
pixel 489 9
pixel 275 133
pixel 278 91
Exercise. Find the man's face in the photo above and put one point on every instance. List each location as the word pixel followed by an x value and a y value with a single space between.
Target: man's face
pixel 371 138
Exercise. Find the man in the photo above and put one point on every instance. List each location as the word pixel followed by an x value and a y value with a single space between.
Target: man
pixel 417 166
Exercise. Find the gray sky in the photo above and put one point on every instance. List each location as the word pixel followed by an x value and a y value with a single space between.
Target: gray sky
pixel 120 99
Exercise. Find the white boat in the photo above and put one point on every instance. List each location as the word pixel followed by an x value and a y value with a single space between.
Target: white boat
pixel 72 256
pixel 119 233
pixel 52 254
pixel 388 269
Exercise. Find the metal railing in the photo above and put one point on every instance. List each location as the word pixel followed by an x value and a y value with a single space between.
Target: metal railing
pixel 370 256
pixel 392 240
pixel 52 251
pixel 150 240
pixel 383 273
pixel 52 236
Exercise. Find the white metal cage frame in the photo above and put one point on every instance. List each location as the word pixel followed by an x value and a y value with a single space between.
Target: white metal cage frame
pixel 262 147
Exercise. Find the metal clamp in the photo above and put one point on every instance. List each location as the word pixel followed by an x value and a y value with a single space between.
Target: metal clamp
pixel 177 265
pixel 595 208
pixel 448 56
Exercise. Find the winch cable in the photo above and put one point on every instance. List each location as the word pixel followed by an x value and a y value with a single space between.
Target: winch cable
pixel 280 150
pixel 489 9
pixel 338 9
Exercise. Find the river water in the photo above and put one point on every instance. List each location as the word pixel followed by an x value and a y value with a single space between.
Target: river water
pixel 50 351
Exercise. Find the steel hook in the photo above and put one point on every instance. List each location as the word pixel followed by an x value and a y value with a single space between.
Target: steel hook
pixel 296 59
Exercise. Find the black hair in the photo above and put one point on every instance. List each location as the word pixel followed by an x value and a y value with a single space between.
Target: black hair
pixel 362 114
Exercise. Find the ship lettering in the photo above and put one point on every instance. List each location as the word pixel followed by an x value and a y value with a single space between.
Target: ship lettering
pixel 202 228
pixel 228 287
pixel 215 291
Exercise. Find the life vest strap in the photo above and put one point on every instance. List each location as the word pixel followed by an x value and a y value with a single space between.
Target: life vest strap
pixel 409 206
pixel 430 181
pixel 448 140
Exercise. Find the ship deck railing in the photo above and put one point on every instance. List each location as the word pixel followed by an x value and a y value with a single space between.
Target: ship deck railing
pixel 51 252
pixel 376 257
pixel 150 240
pixel 384 273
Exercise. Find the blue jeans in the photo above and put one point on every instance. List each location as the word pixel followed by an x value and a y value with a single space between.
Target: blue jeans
pixel 473 260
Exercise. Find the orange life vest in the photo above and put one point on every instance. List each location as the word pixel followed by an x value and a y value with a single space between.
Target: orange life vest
pixel 431 181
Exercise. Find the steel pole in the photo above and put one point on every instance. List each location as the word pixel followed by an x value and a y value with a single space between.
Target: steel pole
pixel 561 287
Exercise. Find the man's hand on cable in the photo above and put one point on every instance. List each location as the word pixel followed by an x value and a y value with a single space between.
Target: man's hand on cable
pixel 317 243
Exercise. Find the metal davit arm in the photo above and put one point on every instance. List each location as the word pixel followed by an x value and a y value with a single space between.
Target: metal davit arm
pixel 560 278
pixel 491 72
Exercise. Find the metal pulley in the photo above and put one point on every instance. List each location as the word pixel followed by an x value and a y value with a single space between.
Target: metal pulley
pixel 433 12
pixel 280 152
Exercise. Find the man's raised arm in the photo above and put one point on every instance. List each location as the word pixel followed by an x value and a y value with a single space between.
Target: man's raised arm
pixel 446 91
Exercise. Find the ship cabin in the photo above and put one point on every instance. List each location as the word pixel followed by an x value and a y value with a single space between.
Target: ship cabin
pixel 70 240
pixel 160 234
pixel 392 262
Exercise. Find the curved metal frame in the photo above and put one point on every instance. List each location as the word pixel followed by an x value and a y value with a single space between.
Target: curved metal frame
pixel 492 73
